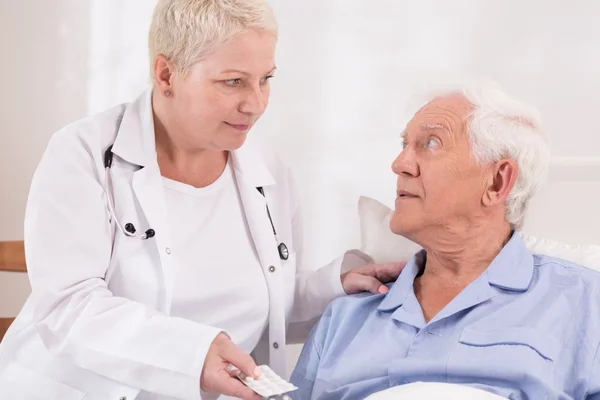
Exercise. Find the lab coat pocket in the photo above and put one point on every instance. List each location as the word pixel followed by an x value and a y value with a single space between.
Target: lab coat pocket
pixel 19 382
pixel 519 356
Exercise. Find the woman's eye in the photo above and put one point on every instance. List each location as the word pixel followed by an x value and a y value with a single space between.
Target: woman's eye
pixel 233 82
pixel 265 80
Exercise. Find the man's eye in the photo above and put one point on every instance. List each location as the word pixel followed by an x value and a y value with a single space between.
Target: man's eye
pixel 431 143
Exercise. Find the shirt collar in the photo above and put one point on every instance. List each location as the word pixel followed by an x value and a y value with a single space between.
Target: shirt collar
pixel 511 269
pixel 396 296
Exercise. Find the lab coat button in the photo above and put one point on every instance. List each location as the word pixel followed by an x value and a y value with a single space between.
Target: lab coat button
pixel 123 398
pixel 168 250
pixel 276 345
pixel 272 268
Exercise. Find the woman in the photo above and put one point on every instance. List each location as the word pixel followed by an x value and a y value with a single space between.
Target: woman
pixel 160 245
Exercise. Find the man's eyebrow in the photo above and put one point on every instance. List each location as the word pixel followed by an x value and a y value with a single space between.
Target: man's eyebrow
pixel 404 137
pixel 434 127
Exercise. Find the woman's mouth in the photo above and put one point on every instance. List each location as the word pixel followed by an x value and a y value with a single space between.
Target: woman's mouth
pixel 239 127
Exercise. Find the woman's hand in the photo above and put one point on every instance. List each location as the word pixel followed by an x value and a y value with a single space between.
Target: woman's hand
pixel 371 277
pixel 216 376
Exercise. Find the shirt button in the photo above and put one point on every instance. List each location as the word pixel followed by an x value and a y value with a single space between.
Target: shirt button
pixel 272 268
pixel 276 345
pixel 168 251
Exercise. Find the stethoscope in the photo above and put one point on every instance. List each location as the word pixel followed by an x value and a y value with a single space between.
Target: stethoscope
pixel 129 229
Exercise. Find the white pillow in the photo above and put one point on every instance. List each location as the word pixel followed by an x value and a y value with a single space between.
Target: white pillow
pixel 433 391
pixel 379 242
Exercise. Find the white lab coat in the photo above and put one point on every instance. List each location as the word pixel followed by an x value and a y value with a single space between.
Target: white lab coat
pixel 97 322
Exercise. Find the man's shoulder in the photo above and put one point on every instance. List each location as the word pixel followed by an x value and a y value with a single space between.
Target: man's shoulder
pixel 356 306
pixel 562 276
pixel 554 265
pixel 344 318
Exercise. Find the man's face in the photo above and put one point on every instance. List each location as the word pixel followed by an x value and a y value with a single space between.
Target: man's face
pixel 439 183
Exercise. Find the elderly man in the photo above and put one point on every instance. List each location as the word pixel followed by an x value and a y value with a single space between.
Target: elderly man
pixel 475 307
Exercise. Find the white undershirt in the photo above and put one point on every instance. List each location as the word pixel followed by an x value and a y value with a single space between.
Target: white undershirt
pixel 219 280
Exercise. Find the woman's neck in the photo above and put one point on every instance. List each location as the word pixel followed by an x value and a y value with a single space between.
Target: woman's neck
pixel 183 163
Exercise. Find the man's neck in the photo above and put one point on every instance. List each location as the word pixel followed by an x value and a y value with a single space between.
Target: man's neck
pixel 465 251
pixel 454 260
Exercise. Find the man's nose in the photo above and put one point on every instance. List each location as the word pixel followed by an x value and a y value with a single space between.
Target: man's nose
pixel 406 163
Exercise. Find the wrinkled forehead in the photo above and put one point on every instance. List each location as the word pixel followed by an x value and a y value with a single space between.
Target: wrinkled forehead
pixel 449 113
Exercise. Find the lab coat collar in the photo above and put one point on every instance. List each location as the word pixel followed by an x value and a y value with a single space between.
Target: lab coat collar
pixel 511 269
pixel 136 144
pixel 249 165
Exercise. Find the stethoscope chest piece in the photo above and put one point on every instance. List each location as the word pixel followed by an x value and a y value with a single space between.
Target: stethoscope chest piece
pixel 284 253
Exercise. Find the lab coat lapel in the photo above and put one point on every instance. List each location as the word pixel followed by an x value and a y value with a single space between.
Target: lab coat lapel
pixel 135 143
pixel 250 173
pixel 148 189
pixel 255 209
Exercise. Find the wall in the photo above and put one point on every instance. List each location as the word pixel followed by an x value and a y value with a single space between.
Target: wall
pixel 45 76
pixel 346 73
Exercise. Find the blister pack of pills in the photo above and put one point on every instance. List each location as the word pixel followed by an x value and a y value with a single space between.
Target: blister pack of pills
pixel 269 384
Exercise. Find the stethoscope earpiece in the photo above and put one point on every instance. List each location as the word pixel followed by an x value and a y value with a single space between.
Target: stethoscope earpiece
pixel 284 253
pixel 130 228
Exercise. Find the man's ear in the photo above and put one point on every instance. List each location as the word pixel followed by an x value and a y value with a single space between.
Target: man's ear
pixel 164 71
pixel 502 178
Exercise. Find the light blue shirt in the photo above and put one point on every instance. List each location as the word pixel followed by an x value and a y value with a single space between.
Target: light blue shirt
pixel 527 328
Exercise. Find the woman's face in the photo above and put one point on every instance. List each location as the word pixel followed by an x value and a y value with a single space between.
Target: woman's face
pixel 214 106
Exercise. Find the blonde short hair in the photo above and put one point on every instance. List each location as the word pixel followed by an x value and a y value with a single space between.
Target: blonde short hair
pixel 184 31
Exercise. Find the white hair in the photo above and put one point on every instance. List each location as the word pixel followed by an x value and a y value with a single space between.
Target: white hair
pixel 501 127
pixel 184 31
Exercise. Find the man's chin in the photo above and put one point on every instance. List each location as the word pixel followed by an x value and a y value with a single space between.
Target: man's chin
pixel 401 225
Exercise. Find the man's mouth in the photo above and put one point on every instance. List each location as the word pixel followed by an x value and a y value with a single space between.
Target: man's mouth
pixel 402 194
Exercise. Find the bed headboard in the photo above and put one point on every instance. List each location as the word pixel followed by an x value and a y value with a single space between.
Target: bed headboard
pixel 568 207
